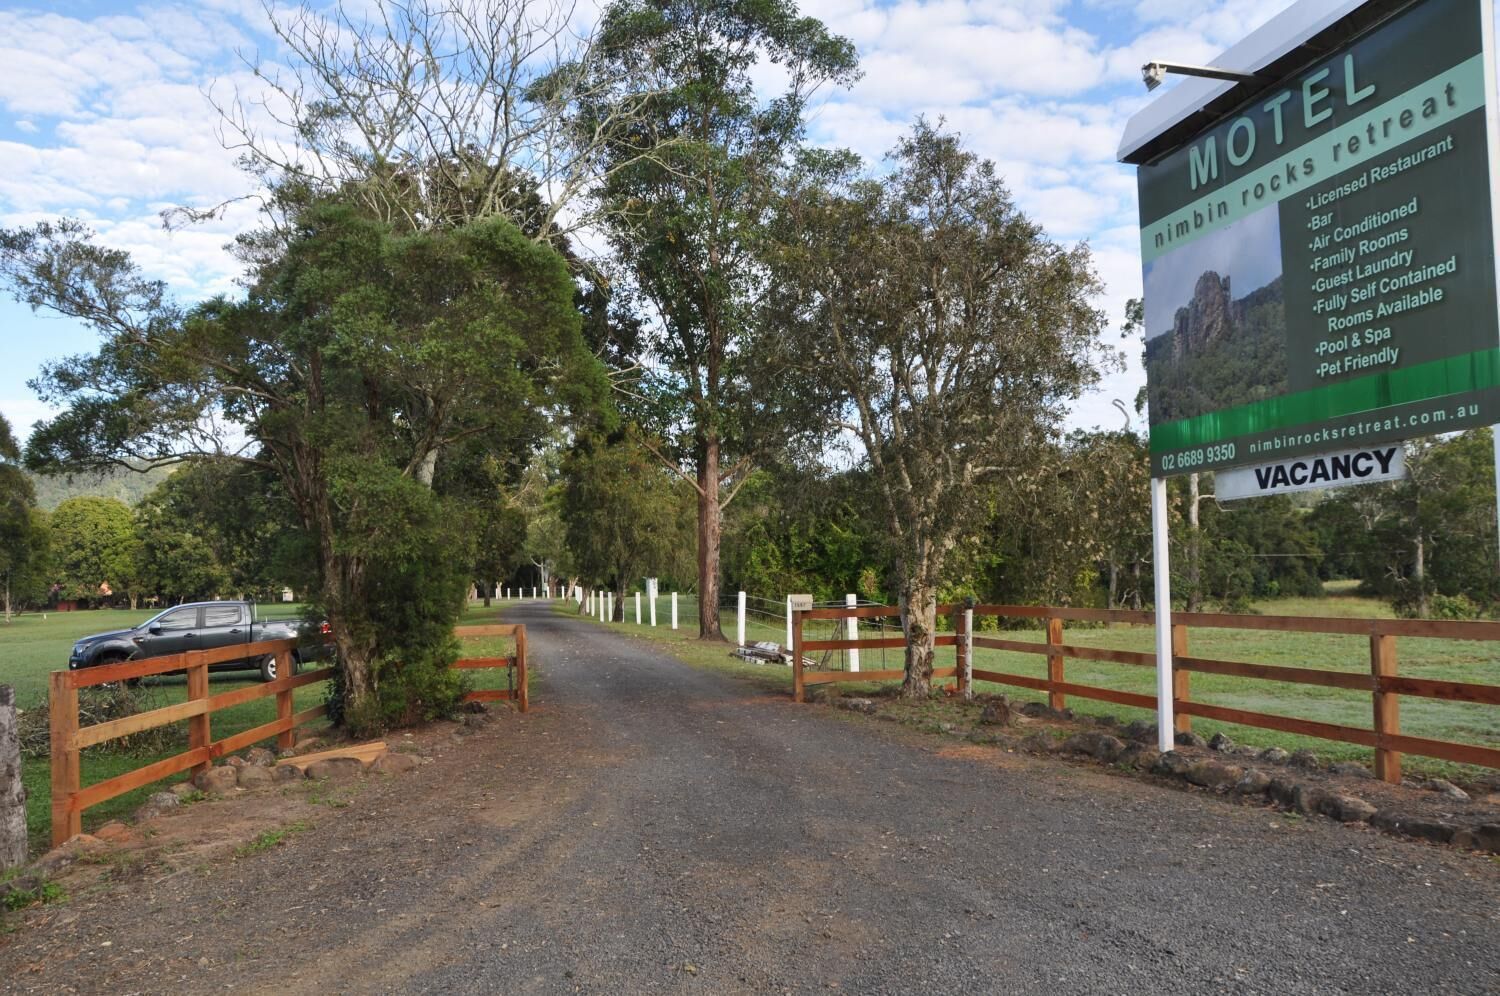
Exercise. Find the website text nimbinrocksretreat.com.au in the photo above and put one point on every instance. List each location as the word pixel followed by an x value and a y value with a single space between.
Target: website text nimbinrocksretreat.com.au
pixel 1423 422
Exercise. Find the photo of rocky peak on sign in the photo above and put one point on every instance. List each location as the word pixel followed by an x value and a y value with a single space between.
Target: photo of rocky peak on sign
pixel 1207 350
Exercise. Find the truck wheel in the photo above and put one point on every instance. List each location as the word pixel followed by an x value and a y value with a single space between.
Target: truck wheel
pixel 268 667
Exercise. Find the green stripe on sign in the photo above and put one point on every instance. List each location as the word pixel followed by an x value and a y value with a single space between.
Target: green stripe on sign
pixel 1363 395
pixel 1223 206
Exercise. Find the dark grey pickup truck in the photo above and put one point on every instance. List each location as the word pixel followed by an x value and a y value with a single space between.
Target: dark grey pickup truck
pixel 200 626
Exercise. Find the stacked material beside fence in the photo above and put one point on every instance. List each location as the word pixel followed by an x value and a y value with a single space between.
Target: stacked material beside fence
pixel 1383 681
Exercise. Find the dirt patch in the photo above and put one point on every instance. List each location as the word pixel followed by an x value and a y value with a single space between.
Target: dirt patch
pixel 201 832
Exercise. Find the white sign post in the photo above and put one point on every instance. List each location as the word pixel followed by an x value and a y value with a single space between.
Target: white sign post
pixel 789 623
pixel 1162 569
pixel 742 619
pixel 674 610
pixel 637 608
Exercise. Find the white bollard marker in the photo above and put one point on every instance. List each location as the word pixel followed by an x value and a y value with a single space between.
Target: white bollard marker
pixel 789 624
pixel 653 603
pixel 853 629
pixel 674 610
pixel 968 676
pixel 637 608
pixel 742 619
pixel 609 612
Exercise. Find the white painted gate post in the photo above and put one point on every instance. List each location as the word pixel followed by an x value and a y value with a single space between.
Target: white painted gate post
pixel 637 608
pixel 653 603
pixel 968 676
pixel 853 631
pixel 674 610
pixel 1161 567
pixel 789 624
pixel 742 619
pixel 609 611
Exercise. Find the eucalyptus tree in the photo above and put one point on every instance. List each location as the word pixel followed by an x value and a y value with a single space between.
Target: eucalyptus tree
pixel 950 331
pixel 686 223
pixel 430 113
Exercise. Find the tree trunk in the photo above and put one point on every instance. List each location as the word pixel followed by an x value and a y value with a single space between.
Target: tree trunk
pixel 1114 582
pixel 1194 550
pixel 709 522
pixel 12 792
pixel 1135 594
pixel 489 593
pixel 7 598
pixel 619 613
pixel 1419 572
pixel 919 622
pixel 427 469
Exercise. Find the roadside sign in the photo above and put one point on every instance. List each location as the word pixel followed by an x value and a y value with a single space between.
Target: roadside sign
pixel 1307 473
pixel 801 603
pixel 1318 248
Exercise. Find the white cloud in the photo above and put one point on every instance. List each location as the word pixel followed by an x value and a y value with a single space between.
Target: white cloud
pixel 110 122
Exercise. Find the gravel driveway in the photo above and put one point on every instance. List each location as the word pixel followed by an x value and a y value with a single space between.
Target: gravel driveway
pixel 651 827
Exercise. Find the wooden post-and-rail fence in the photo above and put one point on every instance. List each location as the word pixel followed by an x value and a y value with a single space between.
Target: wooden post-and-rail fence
pixel 1383 682
pixel 70 797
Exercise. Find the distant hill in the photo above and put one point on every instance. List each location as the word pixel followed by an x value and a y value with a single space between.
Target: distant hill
pixel 128 486
pixel 1220 352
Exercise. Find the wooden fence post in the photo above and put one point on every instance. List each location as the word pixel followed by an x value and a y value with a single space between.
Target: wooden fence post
pixel 1055 699
pixel 523 696
pixel 287 738
pixel 62 706
pixel 1387 706
pixel 199 734
pixel 797 689
pixel 1181 721
pixel 12 792
pixel 964 644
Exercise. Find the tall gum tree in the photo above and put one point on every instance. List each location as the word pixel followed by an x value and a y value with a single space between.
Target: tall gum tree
pixel 687 222
pixel 950 331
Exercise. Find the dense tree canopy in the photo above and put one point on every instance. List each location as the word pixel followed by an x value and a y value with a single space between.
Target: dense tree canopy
pixel 95 548
pixel 357 359
pixel 24 540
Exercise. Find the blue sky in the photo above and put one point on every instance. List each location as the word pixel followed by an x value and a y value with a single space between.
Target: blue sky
pixel 103 116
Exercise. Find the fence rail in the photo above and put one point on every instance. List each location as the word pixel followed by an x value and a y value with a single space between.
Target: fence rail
pixel 70 797
pixel 1383 682
pixel 515 665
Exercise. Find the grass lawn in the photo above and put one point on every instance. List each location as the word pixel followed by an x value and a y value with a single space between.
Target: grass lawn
pixel 32 646
pixel 1454 660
